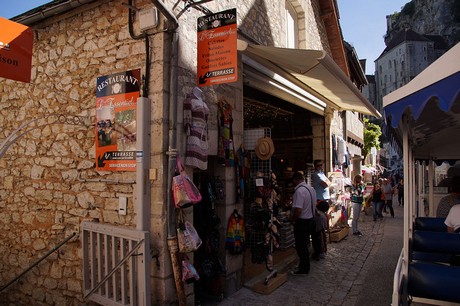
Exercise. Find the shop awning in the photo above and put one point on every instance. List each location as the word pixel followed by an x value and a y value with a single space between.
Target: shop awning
pixel 16 44
pixel 313 71
pixel 431 104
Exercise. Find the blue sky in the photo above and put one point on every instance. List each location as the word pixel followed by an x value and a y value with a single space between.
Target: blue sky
pixel 363 22
pixel 11 8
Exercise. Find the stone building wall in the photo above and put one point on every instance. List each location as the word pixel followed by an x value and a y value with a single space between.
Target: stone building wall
pixel 49 183
pixel 259 22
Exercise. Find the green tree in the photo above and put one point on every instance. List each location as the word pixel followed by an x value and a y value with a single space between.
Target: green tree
pixel 372 133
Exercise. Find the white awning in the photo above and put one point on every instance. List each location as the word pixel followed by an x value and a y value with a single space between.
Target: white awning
pixel 313 71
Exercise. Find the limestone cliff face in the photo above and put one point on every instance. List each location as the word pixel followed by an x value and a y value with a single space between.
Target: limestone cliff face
pixel 427 17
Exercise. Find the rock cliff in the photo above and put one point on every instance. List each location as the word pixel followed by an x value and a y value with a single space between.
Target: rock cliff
pixel 427 17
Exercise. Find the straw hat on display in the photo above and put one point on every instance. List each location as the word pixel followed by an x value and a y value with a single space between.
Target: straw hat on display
pixel 264 148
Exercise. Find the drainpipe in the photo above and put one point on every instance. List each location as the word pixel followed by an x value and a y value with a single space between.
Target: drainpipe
pixel 142 142
pixel 143 163
pixel 172 151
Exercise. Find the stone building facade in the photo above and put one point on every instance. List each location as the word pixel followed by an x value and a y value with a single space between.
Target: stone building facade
pixel 49 180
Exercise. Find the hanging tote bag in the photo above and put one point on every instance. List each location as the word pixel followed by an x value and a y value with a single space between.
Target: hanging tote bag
pixel 185 193
pixel 189 273
pixel 188 239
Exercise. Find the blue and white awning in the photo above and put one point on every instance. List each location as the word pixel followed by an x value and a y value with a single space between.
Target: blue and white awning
pixel 431 104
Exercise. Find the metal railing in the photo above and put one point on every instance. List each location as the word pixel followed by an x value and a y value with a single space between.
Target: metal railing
pixel 37 123
pixel 116 263
pixel 37 262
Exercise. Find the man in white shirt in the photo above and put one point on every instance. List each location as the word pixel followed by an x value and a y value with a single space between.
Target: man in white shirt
pixel 453 219
pixel 303 210
pixel 320 182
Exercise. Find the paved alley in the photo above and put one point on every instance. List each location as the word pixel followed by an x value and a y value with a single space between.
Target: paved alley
pixel 356 271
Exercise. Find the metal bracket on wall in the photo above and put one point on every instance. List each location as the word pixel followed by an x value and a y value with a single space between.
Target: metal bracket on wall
pixel 192 4
pixel 41 122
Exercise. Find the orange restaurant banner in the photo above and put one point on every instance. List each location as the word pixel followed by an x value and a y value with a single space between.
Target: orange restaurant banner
pixel 116 102
pixel 217 53
pixel 16 43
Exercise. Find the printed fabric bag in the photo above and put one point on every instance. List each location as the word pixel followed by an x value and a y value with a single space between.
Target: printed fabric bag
pixel 189 273
pixel 185 193
pixel 187 236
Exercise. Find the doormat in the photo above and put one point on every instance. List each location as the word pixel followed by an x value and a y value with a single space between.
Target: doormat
pixel 266 287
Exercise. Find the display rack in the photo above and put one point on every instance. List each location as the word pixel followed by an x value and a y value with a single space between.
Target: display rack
pixel 259 170
pixel 257 166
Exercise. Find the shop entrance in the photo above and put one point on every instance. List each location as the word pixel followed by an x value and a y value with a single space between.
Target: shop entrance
pixel 267 198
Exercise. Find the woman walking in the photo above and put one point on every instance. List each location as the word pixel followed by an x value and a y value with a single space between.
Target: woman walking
pixel 388 196
pixel 377 202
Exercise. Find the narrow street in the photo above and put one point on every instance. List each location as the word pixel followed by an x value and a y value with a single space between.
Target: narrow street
pixel 356 271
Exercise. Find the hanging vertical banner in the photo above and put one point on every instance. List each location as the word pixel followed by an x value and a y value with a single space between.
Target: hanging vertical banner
pixel 217 53
pixel 16 43
pixel 116 98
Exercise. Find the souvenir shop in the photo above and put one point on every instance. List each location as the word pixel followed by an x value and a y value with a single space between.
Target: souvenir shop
pixel 278 141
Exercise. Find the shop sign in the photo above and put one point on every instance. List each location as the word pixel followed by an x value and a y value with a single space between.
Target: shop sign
pixel 16 43
pixel 116 98
pixel 217 53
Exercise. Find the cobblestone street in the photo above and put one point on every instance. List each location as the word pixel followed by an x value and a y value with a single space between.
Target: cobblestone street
pixel 356 271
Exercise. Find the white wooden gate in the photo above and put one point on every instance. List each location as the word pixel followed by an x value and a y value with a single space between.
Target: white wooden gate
pixel 116 263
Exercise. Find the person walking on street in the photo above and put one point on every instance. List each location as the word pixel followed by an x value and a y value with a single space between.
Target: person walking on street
pixel 388 196
pixel 357 191
pixel 321 222
pixel 377 202
pixel 401 192
pixel 320 182
pixel 302 216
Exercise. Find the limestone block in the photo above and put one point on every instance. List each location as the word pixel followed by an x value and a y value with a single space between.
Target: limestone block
pixel 111 217
pixel 28 218
pixel 68 51
pixel 50 283
pixel 29 191
pixel 68 272
pixel 16 217
pixel 38 244
pixel 36 172
pixel 78 212
pixel 97 186
pixel 5 217
pixel 23 259
pixel 85 164
pixel 78 272
pixel 90 46
pixel 34 234
pixel 95 214
pixel 26 238
pixel 8 182
pixel 85 199
pixel 56 270
pixel 31 149
pixel 74 285
pixel 38 295
pixel 58 149
pixel 45 195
